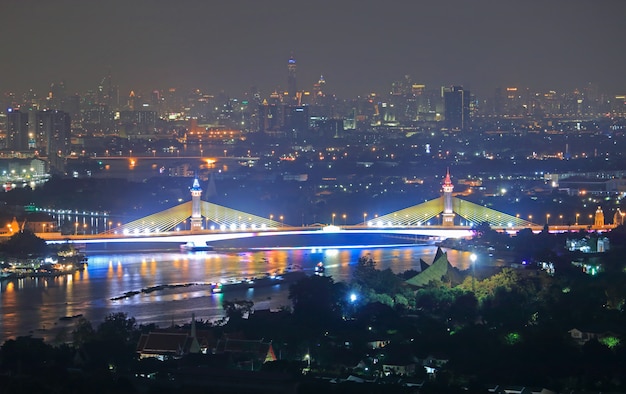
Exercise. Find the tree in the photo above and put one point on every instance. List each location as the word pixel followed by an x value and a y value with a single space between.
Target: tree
pixel 236 310
pixel 117 326
pixel 25 243
pixel 317 299
pixel 464 309
pixel 364 271
pixel 83 332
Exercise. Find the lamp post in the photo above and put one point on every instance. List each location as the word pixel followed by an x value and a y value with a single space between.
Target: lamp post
pixel 364 219
pixel 577 215
pixel 344 219
pixel 281 221
pixel 547 218
pixel 473 258
pixel 76 228
pixel 333 221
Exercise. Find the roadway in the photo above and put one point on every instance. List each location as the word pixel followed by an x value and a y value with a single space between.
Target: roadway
pixel 431 232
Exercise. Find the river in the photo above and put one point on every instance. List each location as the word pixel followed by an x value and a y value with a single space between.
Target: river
pixel 34 306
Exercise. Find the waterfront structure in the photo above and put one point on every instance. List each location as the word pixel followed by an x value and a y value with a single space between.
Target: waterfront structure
pixel 436 271
pixel 599 218
pixel 618 218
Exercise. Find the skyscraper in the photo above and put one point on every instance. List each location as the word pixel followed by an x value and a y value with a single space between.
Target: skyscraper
pixel 292 88
pixel 17 130
pixel 456 107
pixel 53 129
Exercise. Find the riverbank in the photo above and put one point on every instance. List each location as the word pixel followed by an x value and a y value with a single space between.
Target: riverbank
pixel 46 268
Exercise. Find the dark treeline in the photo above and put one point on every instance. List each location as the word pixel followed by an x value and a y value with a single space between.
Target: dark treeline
pixel 510 326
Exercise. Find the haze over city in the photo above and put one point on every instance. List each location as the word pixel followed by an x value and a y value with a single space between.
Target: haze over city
pixel 358 46
pixel 300 197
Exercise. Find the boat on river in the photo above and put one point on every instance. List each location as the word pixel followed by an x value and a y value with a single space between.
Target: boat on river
pixel 192 246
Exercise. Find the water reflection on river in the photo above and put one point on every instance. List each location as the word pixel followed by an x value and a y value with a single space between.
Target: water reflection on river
pixel 34 305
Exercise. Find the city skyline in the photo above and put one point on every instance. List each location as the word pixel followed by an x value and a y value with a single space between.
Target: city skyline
pixel 359 47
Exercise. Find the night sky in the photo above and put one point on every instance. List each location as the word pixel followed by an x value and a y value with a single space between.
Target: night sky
pixel 360 46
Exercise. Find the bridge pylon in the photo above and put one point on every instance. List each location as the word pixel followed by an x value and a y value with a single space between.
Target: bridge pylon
pixel 445 210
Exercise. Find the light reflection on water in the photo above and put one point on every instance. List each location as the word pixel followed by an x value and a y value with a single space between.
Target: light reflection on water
pixel 34 305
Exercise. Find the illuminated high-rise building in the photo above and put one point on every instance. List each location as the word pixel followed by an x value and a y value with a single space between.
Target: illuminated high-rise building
pixel 132 100
pixel 56 95
pixel 292 87
pixel 456 107
pixel 17 130
pixel 318 90
pixel 53 130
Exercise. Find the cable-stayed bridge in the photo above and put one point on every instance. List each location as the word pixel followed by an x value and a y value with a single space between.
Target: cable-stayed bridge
pixel 470 215
pixel 443 217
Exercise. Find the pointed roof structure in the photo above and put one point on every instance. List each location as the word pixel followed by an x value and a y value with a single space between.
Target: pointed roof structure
pixel 447 180
pixel 196 185
pixel 435 272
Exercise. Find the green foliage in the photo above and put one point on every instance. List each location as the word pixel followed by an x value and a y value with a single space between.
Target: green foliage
pixel 25 244
pixel 236 310
pixel 506 279
pixel 382 286
pixel 611 341
pixel 83 332
pixel 117 327
pixel 512 338
pixel 317 299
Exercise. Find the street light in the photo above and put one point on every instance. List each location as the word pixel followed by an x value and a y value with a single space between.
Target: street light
pixel 333 219
pixel 473 258
pixel 577 215
pixel 364 219
pixel 344 219
pixel 76 228
pixel 281 221
pixel 547 218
